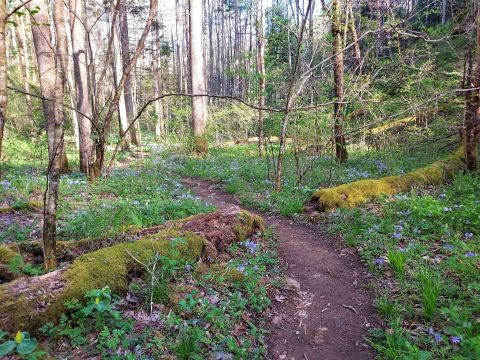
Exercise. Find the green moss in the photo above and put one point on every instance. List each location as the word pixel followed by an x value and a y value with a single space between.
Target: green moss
pixel 112 266
pixel 248 223
pixel 6 254
pixel 362 191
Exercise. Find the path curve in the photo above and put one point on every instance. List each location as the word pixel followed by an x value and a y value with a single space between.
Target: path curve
pixel 331 315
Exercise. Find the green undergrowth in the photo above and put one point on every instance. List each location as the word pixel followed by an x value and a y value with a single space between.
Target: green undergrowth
pixel 424 248
pixel 244 174
pixel 137 195
pixel 177 308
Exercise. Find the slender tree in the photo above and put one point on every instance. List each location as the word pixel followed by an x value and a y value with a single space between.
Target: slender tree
pixel 261 74
pixel 82 93
pixel 338 74
pixel 199 106
pixel 472 115
pixel 55 134
pixel 3 73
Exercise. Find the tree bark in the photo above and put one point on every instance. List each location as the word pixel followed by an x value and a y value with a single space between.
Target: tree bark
pixel 338 74
pixel 23 56
pixel 42 42
pixel 82 93
pixel 199 106
pixel 3 74
pixel 261 75
pixel 158 86
pixel 125 51
pixel 472 115
pixel 55 134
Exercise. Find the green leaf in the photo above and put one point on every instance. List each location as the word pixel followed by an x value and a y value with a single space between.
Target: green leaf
pixel 7 347
pixel 27 346
pixel 2 334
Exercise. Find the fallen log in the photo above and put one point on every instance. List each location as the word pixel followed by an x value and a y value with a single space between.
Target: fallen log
pixel 362 191
pixel 26 303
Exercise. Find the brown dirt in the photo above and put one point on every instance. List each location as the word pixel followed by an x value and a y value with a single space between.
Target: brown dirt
pixel 331 315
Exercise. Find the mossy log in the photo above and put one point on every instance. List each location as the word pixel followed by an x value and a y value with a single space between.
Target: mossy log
pixel 254 140
pixel 30 205
pixel 26 303
pixel 362 191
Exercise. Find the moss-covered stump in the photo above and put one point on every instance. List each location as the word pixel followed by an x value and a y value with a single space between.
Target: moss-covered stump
pixel 362 191
pixel 27 303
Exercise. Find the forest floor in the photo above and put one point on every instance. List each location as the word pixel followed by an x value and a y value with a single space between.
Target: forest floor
pixel 330 310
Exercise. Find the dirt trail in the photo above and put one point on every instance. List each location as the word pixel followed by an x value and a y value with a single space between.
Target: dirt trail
pixel 332 313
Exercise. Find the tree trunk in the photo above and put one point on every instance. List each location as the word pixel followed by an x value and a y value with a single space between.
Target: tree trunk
pixel 125 51
pixel 82 93
pixel 42 42
pixel 199 106
pixel 117 75
pixel 472 115
pixel 55 135
pixel 261 75
pixel 338 72
pixel 158 86
pixel 23 56
pixel 353 32
pixel 3 74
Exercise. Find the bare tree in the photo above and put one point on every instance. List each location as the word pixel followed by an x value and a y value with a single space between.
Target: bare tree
pixel 199 106
pixel 42 42
pixel 3 73
pixel 338 74
pixel 472 115
pixel 82 93
pixel 55 134
pixel 261 74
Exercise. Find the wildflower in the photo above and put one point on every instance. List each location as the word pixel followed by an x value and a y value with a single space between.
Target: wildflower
pixel 437 337
pixel 447 209
pixel 380 261
pixel 468 235
pixel 397 235
pixel 97 301
pixel 470 254
pixel 402 249
pixel 399 228
pixel 188 267
pixel 431 331
pixel 448 247
pixel 19 337
pixel 241 268
pixel 442 196
pixel 455 339
pixel 250 245
pixel 5 184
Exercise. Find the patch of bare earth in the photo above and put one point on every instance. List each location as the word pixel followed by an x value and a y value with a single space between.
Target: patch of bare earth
pixel 325 309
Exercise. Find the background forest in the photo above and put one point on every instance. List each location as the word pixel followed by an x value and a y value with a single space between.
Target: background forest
pixel 356 117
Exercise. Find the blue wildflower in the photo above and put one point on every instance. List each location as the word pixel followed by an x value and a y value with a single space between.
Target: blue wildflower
pixel 455 339
pixel 250 245
pixel 397 235
pixel 5 184
pixel 468 235
pixel 442 196
pixel 447 209
pixel 470 254
pixel 398 228
pixel 438 337
pixel 380 261
pixel 448 247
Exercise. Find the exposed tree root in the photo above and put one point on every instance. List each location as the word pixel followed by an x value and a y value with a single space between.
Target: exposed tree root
pixel 26 303
pixel 362 191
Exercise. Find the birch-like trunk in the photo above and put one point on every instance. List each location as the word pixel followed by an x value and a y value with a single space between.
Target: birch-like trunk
pixel 125 51
pixel 82 93
pixel 199 106
pixel 261 74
